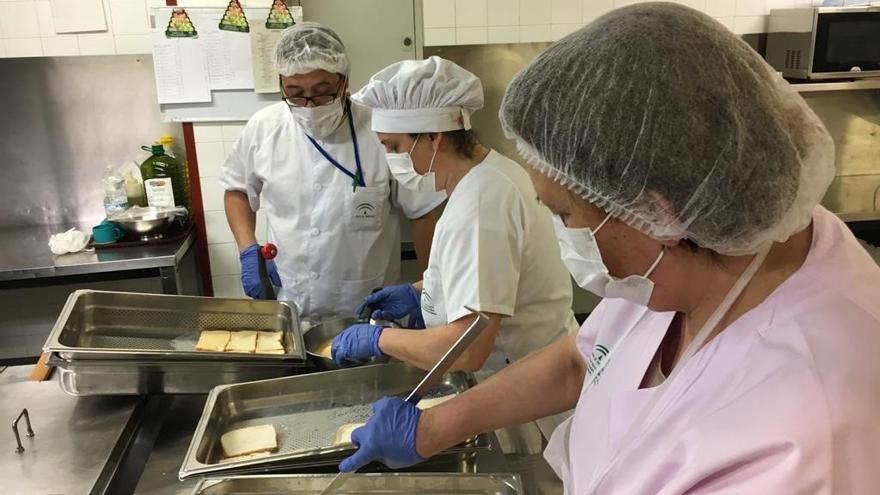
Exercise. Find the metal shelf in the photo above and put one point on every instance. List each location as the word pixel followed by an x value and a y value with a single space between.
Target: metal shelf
pixel 873 83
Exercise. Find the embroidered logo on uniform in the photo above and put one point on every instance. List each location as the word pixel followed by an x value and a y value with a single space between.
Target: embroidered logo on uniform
pixel 428 303
pixel 365 210
pixel 599 354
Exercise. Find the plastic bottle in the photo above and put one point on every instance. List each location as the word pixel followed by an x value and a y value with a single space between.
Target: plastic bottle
pixel 167 142
pixel 134 186
pixel 161 166
pixel 115 200
pixel 134 191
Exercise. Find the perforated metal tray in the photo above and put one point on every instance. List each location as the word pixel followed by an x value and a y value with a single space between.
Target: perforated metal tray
pixel 130 326
pixel 366 484
pixel 306 412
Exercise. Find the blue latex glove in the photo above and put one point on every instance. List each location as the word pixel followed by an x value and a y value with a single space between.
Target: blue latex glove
pixel 389 436
pixel 250 272
pixel 357 342
pixel 395 302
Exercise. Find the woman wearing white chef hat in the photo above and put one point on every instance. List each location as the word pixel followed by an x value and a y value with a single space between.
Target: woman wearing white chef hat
pixel 494 249
pixel 735 350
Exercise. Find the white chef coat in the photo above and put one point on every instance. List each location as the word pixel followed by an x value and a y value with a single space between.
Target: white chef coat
pixel 495 250
pixel 334 244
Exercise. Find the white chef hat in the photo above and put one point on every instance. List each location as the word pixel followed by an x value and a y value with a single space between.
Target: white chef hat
pixel 415 96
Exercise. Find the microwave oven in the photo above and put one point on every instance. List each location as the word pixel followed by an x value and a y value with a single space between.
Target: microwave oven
pixel 825 42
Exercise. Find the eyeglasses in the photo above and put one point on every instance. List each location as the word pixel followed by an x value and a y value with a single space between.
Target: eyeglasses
pixel 317 100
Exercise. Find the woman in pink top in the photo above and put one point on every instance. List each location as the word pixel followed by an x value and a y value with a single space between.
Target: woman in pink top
pixel 737 349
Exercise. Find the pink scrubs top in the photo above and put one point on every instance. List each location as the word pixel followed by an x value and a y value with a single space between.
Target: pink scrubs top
pixel 785 400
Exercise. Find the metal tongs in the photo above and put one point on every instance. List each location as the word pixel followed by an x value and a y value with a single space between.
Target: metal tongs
pixel 431 379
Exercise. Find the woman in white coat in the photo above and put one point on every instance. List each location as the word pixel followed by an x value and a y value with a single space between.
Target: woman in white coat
pixel 736 348
pixel 493 249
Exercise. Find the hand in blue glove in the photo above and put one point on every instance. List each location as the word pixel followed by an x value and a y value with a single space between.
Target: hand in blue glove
pixel 250 272
pixel 395 302
pixel 357 342
pixel 389 436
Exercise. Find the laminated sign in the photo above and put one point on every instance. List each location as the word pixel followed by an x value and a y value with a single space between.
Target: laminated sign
pixel 279 16
pixel 180 26
pixel 234 18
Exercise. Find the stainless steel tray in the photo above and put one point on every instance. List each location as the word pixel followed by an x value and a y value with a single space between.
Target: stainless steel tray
pixel 132 326
pixel 306 411
pixel 108 377
pixel 376 483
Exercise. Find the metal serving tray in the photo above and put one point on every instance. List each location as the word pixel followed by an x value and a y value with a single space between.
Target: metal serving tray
pixel 131 326
pixel 108 377
pixel 374 483
pixel 306 411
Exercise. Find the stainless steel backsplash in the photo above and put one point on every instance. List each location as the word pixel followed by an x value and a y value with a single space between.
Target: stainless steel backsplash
pixel 62 122
pixel 852 118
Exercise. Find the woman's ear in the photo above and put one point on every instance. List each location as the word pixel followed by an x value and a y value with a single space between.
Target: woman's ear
pixel 436 138
pixel 666 218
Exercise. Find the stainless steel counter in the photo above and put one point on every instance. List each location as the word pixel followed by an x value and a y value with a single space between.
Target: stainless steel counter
pixel 24 254
pixel 34 284
pixel 77 443
pixel 120 445
pixel 160 473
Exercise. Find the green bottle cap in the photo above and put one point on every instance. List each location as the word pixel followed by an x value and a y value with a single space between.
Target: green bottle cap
pixel 156 149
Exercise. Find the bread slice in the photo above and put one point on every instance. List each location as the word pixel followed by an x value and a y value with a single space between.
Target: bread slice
pixel 343 434
pixel 242 341
pixel 325 350
pixel 249 440
pixel 436 401
pixel 270 342
pixel 212 340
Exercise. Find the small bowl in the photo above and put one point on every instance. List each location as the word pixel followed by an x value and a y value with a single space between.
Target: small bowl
pixel 327 330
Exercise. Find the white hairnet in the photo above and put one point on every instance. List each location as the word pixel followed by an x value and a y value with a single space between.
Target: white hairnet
pixel 413 96
pixel 309 46
pixel 666 120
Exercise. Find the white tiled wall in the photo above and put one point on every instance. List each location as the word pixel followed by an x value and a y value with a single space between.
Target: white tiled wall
pixel 213 142
pixel 467 22
pixel 27 29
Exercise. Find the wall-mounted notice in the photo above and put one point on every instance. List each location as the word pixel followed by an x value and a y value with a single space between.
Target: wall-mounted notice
pixel 180 25
pixel 263 43
pixel 297 12
pixel 234 18
pixel 78 16
pixel 228 53
pixel 280 16
pixel 181 69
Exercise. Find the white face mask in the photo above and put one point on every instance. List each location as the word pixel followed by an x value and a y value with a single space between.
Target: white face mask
pixel 319 122
pixel 404 171
pixel 580 254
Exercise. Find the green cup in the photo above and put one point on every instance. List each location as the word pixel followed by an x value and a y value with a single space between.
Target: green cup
pixel 106 232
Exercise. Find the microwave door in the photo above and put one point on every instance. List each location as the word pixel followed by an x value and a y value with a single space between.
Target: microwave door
pixel 847 44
